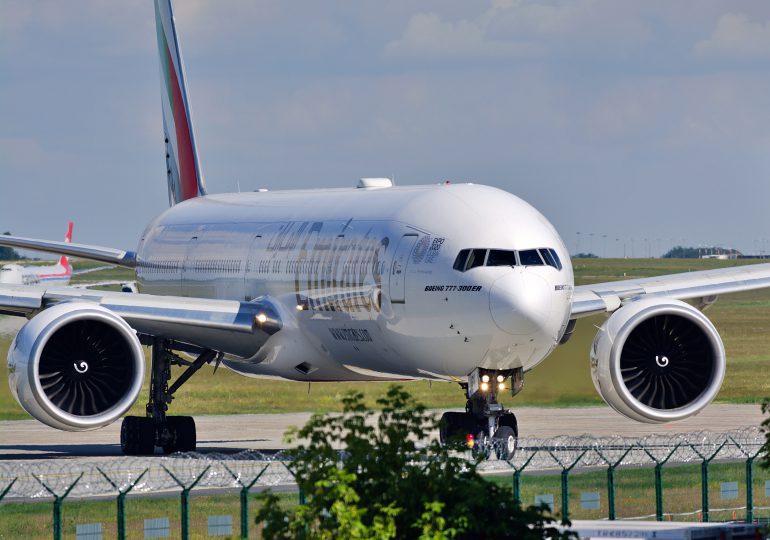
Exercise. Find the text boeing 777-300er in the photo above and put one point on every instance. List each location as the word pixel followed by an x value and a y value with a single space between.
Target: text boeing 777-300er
pixel 459 282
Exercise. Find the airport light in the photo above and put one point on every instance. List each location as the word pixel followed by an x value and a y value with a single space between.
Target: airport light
pixel 469 440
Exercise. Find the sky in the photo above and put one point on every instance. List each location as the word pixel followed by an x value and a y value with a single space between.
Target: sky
pixel 630 125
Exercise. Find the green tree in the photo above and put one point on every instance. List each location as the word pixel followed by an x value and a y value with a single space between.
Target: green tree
pixel 8 254
pixel 367 478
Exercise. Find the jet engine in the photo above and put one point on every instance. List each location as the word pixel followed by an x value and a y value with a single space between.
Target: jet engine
pixel 657 360
pixel 76 366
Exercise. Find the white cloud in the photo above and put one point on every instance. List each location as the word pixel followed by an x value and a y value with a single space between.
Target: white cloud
pixel 736 36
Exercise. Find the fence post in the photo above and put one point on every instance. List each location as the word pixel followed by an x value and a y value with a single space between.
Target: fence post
pixel 704 478
pixel 749 478
pixel 244 495
pixel 7 489
pixel 517 477
pixel 121 501
pixel 659 480
pixel 57 502
pixel 184 500
pixel 611 466
pixel 565 469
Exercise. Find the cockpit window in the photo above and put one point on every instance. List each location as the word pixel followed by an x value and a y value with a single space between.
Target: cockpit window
pixel 530 257
pixel 500 257
pixel 460 260
pixel 551 258
pixel 471 258
pixel 476 258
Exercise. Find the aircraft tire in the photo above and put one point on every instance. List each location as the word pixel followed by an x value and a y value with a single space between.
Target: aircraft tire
pixel 137 436
pixel 182 437
pixel 505 442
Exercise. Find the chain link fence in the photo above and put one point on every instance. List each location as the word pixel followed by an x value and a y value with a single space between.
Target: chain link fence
pixel 57 480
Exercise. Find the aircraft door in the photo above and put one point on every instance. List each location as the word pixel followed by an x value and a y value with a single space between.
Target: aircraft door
pixel 398 269
pixel 253 275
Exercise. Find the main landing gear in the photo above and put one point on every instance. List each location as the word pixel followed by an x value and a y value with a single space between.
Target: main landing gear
pixel 139 435
pixel 485 426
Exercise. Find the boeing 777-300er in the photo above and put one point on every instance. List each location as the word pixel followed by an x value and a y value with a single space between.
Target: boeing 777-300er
pixel 449 282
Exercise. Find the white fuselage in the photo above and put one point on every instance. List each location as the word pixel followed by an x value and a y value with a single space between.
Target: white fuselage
pixel 366 278
pixel 16 274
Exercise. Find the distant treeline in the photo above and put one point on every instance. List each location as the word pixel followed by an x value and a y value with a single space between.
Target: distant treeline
pixel 8 254
pixel 682 252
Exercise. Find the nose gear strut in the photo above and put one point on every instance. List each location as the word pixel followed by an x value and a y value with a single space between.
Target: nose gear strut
pixel 486 426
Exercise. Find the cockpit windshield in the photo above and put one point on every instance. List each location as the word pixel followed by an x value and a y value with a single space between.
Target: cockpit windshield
pixel 471 258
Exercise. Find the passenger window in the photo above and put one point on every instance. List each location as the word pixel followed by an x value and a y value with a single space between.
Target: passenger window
pixel 500 257
pixel 460 260
pixel 530 257
pixel 476 258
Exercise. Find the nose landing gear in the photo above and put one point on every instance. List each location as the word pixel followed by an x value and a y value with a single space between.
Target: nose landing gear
pixel 486 426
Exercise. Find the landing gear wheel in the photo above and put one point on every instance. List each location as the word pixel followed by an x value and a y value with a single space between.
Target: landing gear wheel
pixel 180 434
pixel 481 449
pixel 137 436
pixel 505 442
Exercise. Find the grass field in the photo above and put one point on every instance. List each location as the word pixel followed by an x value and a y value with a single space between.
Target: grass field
pixel 635 497
pixel 562 380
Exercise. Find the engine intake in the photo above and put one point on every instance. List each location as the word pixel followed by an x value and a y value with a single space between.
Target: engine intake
pixel 658 360
pixel 76 366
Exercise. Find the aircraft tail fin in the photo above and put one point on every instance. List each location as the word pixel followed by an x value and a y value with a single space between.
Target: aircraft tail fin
pixel 63 260
pixel 185 180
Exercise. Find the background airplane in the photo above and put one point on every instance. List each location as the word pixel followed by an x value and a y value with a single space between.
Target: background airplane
pixel 457 282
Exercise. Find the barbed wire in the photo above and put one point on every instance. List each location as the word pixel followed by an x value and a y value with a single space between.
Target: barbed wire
pixel 32 479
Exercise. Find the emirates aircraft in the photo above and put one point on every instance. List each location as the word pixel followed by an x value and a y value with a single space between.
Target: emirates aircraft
pixel 449 282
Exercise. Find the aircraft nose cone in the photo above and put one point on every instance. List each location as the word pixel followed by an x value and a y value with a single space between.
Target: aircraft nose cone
pixel 520 303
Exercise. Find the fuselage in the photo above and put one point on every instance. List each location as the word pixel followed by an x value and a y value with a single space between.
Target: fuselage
pixel 399 282
pixel 16 274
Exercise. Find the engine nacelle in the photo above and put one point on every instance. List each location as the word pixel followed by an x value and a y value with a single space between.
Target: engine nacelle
pixel 76 366
pixel 657 360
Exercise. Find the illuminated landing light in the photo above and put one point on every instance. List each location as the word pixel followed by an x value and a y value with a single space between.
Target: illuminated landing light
pixel 484 387
pixel 300 307
pixel 261 318
pixel 500 378
pixel 501 386
pixel 485 378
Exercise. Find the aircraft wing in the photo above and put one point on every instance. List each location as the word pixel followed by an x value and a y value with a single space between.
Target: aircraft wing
pixel 238 328
pixel 704 286
pixel 95 253
pixel 95 269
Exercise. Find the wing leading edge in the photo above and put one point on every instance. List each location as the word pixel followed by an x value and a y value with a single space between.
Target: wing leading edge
pixel 237 328
pixel 94 253
pixel 704 285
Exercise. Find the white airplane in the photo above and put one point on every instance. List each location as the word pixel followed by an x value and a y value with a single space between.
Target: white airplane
pixel 59 273
pixel 453 282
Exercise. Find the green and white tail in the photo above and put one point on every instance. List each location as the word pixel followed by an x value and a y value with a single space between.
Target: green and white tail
pixel 185 179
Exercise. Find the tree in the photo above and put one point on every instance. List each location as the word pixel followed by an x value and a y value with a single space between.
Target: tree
pixel 367 478
pixel 8 254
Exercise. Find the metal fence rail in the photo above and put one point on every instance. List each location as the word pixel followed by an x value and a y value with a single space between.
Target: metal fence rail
pixel 248 470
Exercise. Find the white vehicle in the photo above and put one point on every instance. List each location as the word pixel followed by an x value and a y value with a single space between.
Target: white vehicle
pixel 454 282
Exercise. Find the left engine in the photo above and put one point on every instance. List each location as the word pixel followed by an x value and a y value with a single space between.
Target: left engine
pixel 76 366
pixel 658 360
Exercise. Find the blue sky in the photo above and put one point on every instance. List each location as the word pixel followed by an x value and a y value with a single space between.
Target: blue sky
pixel 636 120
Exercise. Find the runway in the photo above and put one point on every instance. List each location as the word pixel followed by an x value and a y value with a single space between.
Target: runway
pixel 29 440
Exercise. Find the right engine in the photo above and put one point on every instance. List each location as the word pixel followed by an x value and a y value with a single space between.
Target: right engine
pixel 658 360
pixel 76 366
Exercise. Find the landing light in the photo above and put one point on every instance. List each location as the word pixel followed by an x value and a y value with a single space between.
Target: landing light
pixel 300 307
pixel 501 386
pixel 500 378
pixel 261 318
pixel 484 387
pixel 485 378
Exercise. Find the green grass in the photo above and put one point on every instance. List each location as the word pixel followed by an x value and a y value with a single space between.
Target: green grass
pixel 35 520
pixel 635 497
pixel 564 379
